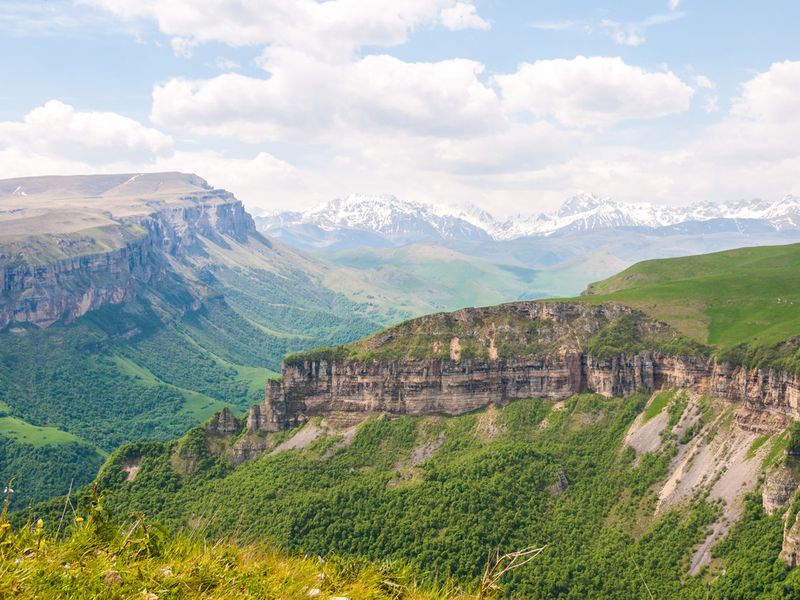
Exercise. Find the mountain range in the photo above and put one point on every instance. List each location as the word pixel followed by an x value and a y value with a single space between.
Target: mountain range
pixel 428 258
pixel 384 220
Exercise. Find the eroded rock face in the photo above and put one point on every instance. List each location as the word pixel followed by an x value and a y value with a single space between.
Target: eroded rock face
pixel 452 387
pixel 66 289
pixel 249 447
pixel 780 485
pixel 223 423
pixel 70 288
pixel 790 552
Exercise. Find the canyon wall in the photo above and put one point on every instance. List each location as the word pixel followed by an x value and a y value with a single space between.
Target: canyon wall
pixel 42 293
pixel 447 386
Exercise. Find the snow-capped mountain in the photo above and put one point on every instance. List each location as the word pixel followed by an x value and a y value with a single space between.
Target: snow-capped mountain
pixel 586 212
pixel 386 220
pixel 397 221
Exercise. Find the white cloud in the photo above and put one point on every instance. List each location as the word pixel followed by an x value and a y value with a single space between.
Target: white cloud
pixel 704 82
pixel 378 93
pixel 332 30
pixel 182 47
pixel 260 182
pixel 772 96
pixel 624 34
pixel 56 129
pixel 711 103
pixel 592 91
pixel 225 64
pixel 750 151
pixel 563 25
pixel 633 33
pixel 673 4
pixel 462 16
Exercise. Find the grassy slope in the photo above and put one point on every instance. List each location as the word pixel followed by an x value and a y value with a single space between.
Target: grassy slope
pixel 750 295
pixel 25 433
pixel 744 303
pixel 424 278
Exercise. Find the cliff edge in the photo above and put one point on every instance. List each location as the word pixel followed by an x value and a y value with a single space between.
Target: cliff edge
pixel 453 363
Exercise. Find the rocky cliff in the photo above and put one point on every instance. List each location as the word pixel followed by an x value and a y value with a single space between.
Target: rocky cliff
pixel 133 236
pixel 564 348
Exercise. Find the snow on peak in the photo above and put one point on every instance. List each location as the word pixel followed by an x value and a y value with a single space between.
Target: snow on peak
pixel 582 203
pixel 403 220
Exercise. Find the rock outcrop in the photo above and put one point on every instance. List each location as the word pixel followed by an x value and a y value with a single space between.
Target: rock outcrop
pixel 441 385
pixel 223 423
pixel 81 269
pixel 790 551
pixel 780 484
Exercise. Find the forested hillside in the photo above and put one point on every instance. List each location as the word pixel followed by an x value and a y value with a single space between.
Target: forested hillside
pixel 146 327
pixel 440 492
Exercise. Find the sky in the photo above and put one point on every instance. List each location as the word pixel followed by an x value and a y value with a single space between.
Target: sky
pixel 510 105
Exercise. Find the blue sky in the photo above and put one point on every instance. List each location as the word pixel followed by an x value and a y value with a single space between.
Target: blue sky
pixel 509 105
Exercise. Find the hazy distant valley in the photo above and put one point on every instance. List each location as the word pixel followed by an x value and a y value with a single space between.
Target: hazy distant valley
pixel 451 257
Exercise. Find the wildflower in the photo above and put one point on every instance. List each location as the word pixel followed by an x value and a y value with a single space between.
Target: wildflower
pixel 113 579
pixel 39 524
pixel 5 526
pixel 79 520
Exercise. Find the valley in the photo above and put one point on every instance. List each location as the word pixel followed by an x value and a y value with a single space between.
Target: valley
pixel 153 305
pixel 624 444
pixel 399 300
pixel 217 381
pixel 429 258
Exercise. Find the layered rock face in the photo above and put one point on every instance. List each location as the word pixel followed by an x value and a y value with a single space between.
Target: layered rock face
pixel 70 288
pixel 455 386
pixel 78 270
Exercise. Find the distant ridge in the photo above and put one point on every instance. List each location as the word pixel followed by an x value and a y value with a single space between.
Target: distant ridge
pixel 394 221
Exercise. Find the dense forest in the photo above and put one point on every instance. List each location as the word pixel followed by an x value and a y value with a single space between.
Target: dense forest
pixel 149 369
pixel 439 493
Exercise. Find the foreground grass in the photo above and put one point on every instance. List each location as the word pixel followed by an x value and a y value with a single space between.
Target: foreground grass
pixel 92 558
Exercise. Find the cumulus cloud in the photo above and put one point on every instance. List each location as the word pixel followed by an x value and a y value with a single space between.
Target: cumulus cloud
pixel 462 16
pixel 303 95
pixel 763 124
pixel 771 96
pixel 750 152
pixel 443 130
pixel 332 30
pixel 592 91
pixel 57 129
